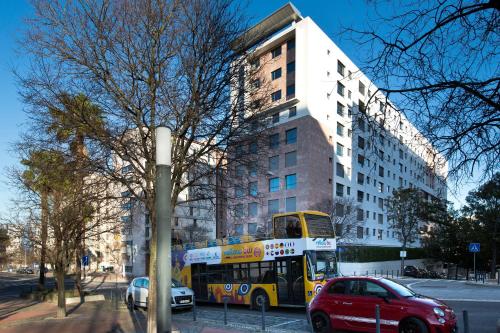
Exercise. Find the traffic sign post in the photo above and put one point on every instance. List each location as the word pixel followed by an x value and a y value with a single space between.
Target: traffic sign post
pixel 475 248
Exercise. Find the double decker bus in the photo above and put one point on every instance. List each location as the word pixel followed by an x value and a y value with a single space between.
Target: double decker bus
pixel 285 270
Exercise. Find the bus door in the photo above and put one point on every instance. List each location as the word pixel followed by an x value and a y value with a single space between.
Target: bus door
pixel 290 280
pixel 199 281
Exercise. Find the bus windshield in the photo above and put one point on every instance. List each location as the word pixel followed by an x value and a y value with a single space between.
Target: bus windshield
pixel 319 226
pixel 321 264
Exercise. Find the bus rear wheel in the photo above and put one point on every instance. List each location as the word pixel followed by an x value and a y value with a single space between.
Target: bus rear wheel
pixel 259 300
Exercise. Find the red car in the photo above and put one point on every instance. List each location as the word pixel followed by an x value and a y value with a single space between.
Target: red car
pixel 348 303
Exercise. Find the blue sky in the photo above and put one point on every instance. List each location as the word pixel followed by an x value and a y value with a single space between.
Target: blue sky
pixel 331 16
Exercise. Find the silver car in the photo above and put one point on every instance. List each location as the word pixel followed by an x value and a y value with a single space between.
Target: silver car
pixel 137 294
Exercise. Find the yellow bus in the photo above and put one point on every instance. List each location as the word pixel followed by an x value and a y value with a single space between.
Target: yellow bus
pixel 286 270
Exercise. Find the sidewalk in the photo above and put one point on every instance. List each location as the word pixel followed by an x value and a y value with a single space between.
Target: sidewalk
pixel 93 317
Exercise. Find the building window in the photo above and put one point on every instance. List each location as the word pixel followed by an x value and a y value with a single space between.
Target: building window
pixel 291 204
pixel 290 67
pixel 359 232
pixel 276 52
pixel 381 187
pixel 348 190
pixel 274 184
pixel 361 124
pixel 291 136
pixel 361 178
pixel 252 228
pixel 349 152
pixel 361 88
pixel 380 203
pixel 349 94
pixel 273 206
pixel 361 160
pixel 238 210
pixel 291 181
pixel 340 129
pixel 339 190
pixel 340 68
pixel 276 96
pixel 381 171
pixel 340 149
pixel 274 163
pixel 238 229
pixel 290 44
pixel 252 189
pixel 380 219
pixel 340 170
pixel 291 159
pixel 361 142
pixel 255 63
pixel 340 88
pixel 238 192
pixel 256 84
pixel 240 170
pixel 276 74
pixel 276 118
pixel 361 196
pixel 274 140
pixel 360 214
pixel 252 209
pixel 290 90
pixel 380 232
pixel 340 109
pixel 292 112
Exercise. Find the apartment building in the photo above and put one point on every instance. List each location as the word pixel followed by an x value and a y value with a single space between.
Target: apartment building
pixel 331 134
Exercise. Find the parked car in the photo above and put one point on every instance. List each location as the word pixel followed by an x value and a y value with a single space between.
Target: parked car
pixel 137 294
pixel 348 303
pixel 411 271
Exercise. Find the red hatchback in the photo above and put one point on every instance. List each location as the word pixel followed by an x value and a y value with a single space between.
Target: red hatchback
pixel 348 303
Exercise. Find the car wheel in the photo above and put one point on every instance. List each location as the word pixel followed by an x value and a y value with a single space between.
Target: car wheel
pixel 259 300
pixel 130 303
pixel 320 323
pixel 413 325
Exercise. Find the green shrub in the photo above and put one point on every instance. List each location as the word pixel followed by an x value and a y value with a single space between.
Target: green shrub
pixel 377 253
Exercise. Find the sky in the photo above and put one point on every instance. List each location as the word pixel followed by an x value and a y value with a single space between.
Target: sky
pixel 331 16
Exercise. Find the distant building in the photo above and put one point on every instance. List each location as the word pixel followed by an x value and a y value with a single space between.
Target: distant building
pixel 331 135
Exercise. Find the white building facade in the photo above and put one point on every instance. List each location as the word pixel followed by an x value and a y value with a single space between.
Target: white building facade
pixel 333 135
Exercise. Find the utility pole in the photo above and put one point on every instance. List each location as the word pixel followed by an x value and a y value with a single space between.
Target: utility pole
pixel 163 261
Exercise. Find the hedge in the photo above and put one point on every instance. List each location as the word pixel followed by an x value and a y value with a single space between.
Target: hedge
pixel 377 253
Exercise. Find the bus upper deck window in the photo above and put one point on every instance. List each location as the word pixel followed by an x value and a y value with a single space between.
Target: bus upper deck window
pixel 293 227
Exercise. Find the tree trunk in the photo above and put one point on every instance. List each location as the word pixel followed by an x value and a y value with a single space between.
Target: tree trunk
pixel 403 248
pixel 78 273
pixel 43 250
pixel 61 299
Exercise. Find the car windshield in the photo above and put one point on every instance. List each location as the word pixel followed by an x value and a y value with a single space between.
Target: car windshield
pixel 319 226
pixel 176 284
pixel 399 289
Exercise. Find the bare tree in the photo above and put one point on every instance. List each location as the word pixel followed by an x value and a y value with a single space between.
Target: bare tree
pixel 439 62
pixel 145 63
pixel 343 213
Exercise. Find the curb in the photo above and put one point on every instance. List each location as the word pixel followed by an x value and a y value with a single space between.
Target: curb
pixel 479 284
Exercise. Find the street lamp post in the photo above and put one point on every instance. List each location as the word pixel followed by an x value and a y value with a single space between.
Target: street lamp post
pixel 163 258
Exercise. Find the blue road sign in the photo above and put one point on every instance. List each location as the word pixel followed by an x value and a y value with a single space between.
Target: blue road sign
pixel 85 260
pixel 474 247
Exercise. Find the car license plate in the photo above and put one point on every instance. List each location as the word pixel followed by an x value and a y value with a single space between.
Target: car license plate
pixel 185 301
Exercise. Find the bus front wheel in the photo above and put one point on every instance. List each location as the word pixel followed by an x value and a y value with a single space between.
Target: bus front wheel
pixel 260 299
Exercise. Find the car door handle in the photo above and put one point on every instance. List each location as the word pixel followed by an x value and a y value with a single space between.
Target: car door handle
pixel 346 303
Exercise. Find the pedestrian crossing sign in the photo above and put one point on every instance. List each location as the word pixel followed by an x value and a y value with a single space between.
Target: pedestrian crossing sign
pixel 474 247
